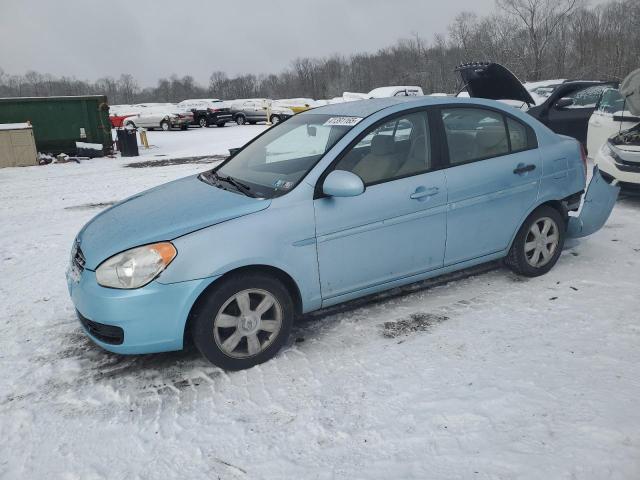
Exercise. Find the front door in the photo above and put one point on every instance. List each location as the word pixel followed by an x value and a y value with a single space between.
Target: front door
pixel 397 227
pixel 492 180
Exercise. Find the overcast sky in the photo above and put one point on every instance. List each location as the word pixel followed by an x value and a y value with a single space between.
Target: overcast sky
pixel 151 39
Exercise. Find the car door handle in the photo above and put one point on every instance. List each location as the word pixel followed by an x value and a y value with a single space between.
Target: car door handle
pixel 422 192
pixel 522 168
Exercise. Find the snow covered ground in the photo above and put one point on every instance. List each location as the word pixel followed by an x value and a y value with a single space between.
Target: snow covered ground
pixel 486 377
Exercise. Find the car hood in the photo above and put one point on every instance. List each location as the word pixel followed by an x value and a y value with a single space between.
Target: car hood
pixel 630 89
pixel 161 213
pixel 492 81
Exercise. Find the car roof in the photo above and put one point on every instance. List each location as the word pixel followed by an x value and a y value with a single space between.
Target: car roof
pixel 361 108
pixel 365 108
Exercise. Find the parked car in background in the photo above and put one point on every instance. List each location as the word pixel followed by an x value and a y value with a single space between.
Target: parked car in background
pixel 336 203
pixel 395 91
pixel 566 110
pixel 618 157
pixel 296 105
pixel 118 113
pixel 255 110
pixel 207 112
pixel 160 117
pixel 610 118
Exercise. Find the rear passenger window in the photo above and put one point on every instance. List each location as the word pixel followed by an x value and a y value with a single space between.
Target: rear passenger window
pixel 517 135
pixel 474 134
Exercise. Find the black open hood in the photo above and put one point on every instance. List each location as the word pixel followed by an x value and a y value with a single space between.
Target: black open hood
pixel 492 81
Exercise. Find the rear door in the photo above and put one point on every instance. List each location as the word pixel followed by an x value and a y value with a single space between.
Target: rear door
pixel 492 180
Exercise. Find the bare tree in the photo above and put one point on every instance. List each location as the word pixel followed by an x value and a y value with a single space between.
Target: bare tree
pixel 541 19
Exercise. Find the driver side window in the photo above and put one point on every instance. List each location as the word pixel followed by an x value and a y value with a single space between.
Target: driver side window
pixel 398 148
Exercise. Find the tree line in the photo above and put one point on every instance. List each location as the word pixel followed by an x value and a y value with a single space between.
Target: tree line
pixel 536 39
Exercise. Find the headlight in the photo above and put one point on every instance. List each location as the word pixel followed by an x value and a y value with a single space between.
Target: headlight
pixel 136 267
pixel 609 151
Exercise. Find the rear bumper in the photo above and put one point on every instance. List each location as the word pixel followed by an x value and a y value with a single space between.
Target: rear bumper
pixel 145 320
pixel 598 203
pixel 179 122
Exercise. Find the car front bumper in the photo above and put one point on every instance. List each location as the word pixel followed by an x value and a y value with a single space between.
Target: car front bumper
pixel 151 319
pixel 625 175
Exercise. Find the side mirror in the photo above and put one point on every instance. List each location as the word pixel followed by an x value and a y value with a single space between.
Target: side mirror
pixel 341 183
pixel 564 103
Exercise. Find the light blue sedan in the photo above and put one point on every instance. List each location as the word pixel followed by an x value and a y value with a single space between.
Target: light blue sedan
pixel 333 204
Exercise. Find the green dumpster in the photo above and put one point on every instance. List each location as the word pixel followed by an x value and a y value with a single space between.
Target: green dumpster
pixel 59 122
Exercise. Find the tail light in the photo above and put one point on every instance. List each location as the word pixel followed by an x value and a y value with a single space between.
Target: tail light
pixel 583 155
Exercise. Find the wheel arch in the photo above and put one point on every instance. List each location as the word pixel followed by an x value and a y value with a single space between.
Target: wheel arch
pixel 553 203
pixel 286 279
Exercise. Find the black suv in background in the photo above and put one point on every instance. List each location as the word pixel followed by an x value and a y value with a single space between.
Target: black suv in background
pixel 207 112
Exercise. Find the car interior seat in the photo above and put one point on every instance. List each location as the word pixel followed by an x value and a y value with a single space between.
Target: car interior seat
pixel 381 162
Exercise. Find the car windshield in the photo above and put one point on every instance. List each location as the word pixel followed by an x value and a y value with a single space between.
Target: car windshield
pixel 275 162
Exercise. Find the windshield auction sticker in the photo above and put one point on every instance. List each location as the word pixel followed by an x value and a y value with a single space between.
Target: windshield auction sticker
pixel 342 121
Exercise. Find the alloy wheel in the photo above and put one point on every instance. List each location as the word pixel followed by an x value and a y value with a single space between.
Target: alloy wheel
pixel 541 242
pixel 247 323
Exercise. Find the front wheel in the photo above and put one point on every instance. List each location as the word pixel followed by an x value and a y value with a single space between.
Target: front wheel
pixel 275 119
pixel 203 122
pixel 240 120
pixel 538 244
pixel 164 125
pixel 244 321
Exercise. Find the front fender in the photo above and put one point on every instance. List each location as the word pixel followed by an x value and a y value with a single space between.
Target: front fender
pixel 596 208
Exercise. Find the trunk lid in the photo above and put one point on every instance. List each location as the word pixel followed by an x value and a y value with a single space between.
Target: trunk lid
pixel 492 81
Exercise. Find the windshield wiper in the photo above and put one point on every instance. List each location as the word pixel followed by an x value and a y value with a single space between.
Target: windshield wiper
pixel 241 187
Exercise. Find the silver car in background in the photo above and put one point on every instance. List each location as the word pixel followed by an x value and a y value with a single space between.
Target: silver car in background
pixel 255 110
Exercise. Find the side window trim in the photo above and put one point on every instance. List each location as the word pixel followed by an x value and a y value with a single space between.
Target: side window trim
pixel 435 150
pixel 532 140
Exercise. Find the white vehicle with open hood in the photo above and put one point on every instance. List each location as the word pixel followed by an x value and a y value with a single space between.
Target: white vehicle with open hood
pixel 618 156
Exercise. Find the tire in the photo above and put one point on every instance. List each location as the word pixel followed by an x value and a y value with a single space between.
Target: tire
pixel 527 254
pixel 240 120
pixel 221 124
pixel 230 347
pixel 275 119
pixel 164 125
pixel 203 122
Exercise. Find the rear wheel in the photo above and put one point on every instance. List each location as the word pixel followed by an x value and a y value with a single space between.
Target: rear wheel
pixel 538 244
pixel 164 125
pixel 203 122
pixel 275 119
pixel 244 321
pixel 240 119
